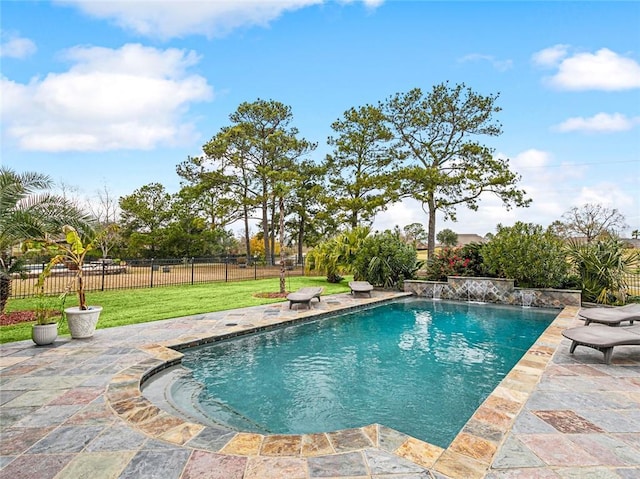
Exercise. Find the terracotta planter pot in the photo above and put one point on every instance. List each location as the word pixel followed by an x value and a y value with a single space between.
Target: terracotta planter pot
pixel 82 323
pixel 43 334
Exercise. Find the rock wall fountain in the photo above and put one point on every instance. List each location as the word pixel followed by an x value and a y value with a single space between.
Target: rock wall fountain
pixel 492 290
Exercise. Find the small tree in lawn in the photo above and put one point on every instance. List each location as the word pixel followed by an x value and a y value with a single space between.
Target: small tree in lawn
pixel 415 233
pixel 447 237
pixel 592 221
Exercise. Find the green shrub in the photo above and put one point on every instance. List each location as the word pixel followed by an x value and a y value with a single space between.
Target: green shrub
pixel 476 266
pixel 447 262
pixel 528 254
pixel 385 260
pixel 336 255
pixel 461 261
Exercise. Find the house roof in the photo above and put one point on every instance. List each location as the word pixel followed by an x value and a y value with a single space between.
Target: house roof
pixel 463 239
pixel 466 238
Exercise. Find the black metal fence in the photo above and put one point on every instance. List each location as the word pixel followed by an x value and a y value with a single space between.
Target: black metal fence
pixel 151 273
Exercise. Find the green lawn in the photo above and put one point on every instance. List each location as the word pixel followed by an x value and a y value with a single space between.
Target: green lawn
pixel 134 306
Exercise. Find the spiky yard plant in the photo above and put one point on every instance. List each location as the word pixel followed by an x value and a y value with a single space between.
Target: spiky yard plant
pixel 603 267
pixel 336 255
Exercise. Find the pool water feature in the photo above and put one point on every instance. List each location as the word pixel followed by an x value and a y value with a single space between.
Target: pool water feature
pixel 421 367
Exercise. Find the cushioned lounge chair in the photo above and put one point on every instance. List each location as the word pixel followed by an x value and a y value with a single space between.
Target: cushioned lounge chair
pixel 361 287
pixel 610 316
pixel 304 296
pixel 602 338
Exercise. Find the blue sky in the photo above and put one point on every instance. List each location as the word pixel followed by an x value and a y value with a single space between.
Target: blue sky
pixel 117 93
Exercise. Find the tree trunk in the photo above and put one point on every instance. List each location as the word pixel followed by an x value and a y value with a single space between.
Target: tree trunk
pixel 81 296
pixel 283 288
pixel 300 238
pixel 431 242
pixel 247 241
pixel 354 219
pixel 272 229
pixel 265 231
pixel 5 290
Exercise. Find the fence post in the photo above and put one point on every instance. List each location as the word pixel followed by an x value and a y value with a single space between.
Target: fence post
pixel 255 267
pixel 226 269
pixel 104 267
pixel 151 283
pixel 192 269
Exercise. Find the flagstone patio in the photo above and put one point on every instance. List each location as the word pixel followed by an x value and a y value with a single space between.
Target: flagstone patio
pixel 75 409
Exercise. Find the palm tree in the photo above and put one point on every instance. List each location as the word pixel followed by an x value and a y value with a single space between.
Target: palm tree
pixel 28 211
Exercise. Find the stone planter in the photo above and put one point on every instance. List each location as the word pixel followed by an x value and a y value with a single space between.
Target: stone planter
pixel 82 323
pixel 43 334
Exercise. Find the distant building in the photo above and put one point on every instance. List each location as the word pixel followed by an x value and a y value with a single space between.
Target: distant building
pixel 465 239
pixel 632 242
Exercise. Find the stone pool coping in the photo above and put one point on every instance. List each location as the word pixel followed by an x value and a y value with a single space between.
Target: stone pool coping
pixel 581 418
pixel 468 456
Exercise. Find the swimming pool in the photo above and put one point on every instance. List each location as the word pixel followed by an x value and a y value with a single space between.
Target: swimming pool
pixel 418 366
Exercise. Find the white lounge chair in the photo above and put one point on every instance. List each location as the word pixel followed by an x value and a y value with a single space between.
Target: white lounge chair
pixel 361 287
pixel 304 296
pixel 610 316
pixel 602 338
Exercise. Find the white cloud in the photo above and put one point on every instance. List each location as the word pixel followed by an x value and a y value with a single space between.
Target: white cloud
pixel 402 213
pixel 164 19
pixel 500 65
pixel 603 70
pixel 599 123
pixel 531 158
pixel 604 193
pixel 554 186
pixel 539 170
pixel 14 46
pixel 550 57
pixel 127 98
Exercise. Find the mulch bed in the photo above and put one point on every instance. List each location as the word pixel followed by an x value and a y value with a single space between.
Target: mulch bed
pixel 271 295
pixel 16 317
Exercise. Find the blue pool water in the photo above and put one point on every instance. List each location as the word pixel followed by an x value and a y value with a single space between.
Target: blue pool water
pixel 418 366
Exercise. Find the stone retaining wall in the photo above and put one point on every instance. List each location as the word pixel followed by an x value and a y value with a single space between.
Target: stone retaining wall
pixel 493 290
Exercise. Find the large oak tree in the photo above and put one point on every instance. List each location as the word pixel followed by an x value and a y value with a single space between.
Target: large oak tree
pixel 360 168
pixel 445 164
pixel 257 154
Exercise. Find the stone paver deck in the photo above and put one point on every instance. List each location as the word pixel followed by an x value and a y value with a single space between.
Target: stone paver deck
pixel 75 410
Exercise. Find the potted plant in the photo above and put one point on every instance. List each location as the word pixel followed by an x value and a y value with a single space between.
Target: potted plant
pixel 47 316
pixel 82 319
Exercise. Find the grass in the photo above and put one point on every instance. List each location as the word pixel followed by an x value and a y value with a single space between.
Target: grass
pixel 134 306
